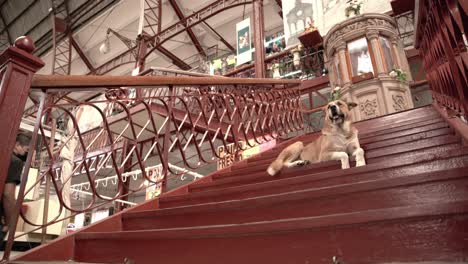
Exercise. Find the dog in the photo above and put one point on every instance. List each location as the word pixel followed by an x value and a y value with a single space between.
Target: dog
pixel 338 141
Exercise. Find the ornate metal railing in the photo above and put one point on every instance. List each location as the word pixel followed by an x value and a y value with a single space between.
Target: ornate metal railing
pixel 182 124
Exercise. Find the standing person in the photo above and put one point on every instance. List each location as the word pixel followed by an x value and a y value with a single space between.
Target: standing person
pixel 15 170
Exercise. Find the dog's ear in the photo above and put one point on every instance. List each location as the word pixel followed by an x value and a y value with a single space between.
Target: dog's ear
pixel 351 105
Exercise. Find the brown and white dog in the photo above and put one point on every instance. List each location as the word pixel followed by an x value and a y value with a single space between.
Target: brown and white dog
pixel 338 141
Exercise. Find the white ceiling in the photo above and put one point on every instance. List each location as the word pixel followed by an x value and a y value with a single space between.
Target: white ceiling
pixel 124 18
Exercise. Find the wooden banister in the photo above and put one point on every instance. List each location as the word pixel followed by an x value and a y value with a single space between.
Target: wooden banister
pixel 63 82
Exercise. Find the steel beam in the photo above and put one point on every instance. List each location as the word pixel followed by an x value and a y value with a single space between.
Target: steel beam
pixel 259 39
pixel 75 15
pixel 81 54
pixel 150 18
pixel 176 60
pixel 229 46
pixel 173 30
pixel 280 4
pixel 192 36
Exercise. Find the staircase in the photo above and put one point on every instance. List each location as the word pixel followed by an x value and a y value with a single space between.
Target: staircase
pixel 410 203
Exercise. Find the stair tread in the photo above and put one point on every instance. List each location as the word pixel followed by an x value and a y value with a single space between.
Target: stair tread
pixel 292 224
pixel 415 143
pixel 387 164
pixel 259 172
pixel 308 193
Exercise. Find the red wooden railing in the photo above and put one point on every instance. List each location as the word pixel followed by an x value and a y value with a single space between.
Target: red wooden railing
pixel 441 39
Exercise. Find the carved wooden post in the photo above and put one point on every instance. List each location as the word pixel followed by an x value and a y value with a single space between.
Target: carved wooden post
pixel 17 66
pixel 373 37
pixel 341 49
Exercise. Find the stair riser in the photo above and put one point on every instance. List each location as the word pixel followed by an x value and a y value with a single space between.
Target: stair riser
pixel 261 168
pixel 390 124
pixel 358 197
pixel 388 130
pixel 371 158
pixel 257 176
pixel 403 133
pixel 399 118
pixel 410 138
pixel 318 180
pixel 438 238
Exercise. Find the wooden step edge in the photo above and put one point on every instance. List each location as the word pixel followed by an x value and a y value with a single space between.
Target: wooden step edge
pixel 366 140
pixel 390 164
pixel 371 156
pixel 399 123
pixel 290 225
pixel 262 176
pixel 429 109
pixel 402 133
pixel 310 193
pixel 262 168
pixel 404 139
pixel 284 185
pixel 373 134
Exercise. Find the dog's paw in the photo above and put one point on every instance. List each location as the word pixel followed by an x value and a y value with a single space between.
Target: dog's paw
pixel 345 165
pixel 360 163
pixel 302 162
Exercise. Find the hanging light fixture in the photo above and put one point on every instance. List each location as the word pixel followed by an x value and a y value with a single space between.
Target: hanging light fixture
pixel 105 46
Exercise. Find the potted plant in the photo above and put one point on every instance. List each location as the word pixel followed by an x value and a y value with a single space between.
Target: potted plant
pixel 399 74
pixel 335 93
pixel 353 7
pixel 311 36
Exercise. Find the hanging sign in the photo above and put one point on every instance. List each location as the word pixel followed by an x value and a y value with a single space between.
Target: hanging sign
pixel 244 51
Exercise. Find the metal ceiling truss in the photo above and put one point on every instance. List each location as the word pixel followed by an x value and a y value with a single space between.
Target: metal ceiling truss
pixel 78 18
pixel 192 36
pixel 177 28
pixel 150 20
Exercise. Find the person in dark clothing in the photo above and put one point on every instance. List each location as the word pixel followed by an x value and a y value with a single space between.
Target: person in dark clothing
pixel 15 170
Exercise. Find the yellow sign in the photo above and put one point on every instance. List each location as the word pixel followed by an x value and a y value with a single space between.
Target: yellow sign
pixel 228 156
pixel 154 174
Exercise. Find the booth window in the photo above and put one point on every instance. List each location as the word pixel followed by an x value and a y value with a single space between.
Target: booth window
pixel 360 57
pixel 387 53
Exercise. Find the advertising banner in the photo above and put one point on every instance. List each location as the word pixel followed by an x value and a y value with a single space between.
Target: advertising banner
pixel 244 51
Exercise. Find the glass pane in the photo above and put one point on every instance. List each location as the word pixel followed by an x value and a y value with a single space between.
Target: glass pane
pixel 387 51
pixel 360 57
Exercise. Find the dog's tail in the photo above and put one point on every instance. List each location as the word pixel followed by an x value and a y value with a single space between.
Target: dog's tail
pixel 288 154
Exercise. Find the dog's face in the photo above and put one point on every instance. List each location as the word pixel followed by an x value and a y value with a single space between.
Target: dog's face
pixel 337 112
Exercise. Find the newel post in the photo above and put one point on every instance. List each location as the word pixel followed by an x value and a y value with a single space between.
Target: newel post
pixel 17 67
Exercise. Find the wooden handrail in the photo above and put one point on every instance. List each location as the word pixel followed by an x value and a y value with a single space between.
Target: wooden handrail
pixel 92 81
